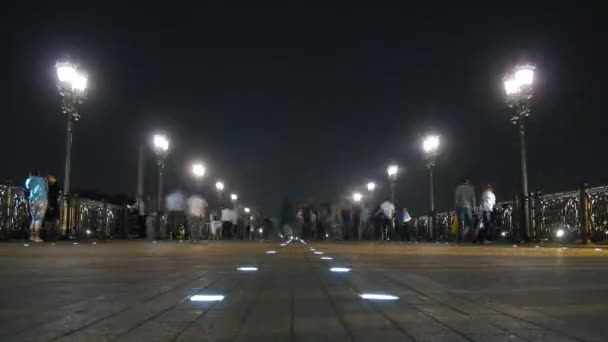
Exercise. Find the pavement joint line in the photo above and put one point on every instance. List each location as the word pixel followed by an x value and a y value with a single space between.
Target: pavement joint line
pixel 147 299
pixel 401 329
pixel 249 307
pixel 454 330
pixel 400 283
pixel 161 312
pixel 332 303
pixel 377 309
pixel 204 313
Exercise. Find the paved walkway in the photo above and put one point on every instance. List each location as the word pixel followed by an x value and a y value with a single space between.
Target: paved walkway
pixel 140 291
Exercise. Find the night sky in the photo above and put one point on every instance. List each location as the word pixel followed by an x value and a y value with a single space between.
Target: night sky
pixel 308 103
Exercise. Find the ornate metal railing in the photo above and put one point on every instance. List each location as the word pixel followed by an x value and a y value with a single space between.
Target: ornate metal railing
pixel 552 215
pixel 85 218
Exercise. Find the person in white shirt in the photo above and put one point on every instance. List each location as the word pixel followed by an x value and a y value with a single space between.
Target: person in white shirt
pixel 229 219
pixel 386 213
pixel 195 215
pixel 488 202
pixel 175 204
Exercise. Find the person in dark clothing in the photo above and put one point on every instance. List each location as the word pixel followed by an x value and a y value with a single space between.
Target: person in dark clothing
pixel 52 215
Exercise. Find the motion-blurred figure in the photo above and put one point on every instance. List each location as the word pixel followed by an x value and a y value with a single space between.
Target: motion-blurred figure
pixel 465 202
pixel 38 188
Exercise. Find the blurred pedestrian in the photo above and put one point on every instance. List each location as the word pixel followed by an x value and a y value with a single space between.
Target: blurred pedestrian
pixel 38 200
pixel 386 214
pixel 488 202
pixel 229 219
pixel 405 229
pixel 195 216
pixel 465 203
pixel 176 205
pixel 52 215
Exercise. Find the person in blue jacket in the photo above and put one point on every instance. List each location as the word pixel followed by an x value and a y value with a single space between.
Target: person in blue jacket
pixel 38 188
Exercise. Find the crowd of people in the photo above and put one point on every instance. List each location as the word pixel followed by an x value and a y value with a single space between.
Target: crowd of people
pixel 351 221
pixel 187 217
pixel 470 227
pixel 386 221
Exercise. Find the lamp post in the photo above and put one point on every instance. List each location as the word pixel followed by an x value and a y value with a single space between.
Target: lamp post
pixel 72 86
pixel 357 197
pixel 519 92
pixel 219 187
pixel 234 198
pixel 430 147
pixel 198 170
pixel 161 149
pixel 371 186
pixel 392 171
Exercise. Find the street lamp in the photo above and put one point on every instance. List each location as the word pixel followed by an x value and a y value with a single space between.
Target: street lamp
pixel 72 86
pixel 247 210
pixel 357 197
pixel 219 187
pixel 519 92
pixel 234 197
pixel 392 171
pixel 430 147
pixel 161 149
pixel 198 170
pixel 371 186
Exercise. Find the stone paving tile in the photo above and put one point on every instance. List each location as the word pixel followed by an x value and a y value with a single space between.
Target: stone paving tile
pixel 138 292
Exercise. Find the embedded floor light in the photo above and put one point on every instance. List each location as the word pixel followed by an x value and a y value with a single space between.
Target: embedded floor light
pixel 271 252
pixel 340 269
pixel 326 258
pixel 247 269
pixel 378 296
pixel 207 298
pixel 319 253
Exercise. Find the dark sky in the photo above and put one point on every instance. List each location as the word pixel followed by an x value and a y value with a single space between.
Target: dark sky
pixel 308 102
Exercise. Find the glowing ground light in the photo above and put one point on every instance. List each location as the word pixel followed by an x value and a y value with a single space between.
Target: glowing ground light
pixel 26 245
pixel 207 298
pixel 327 258
pixel 312 249
pixel 271 252
pixel 559 233
pixel 598 249
pixel 247 269
pixel 340 269
pixel 283 244
pixel 378 296
pixel 319 253
pixel 75 243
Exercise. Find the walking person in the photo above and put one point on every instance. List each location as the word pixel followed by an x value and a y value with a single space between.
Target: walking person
pixel 176 204
pixel 405 229
pixel 386 213
pixel 465 203
pixel 52 215
pixel 488 202
pixel 38 200
pixel 229 219
pixel 195 216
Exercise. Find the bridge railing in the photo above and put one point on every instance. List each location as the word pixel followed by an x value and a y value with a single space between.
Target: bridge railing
pixel 86 218
pixel 549 213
